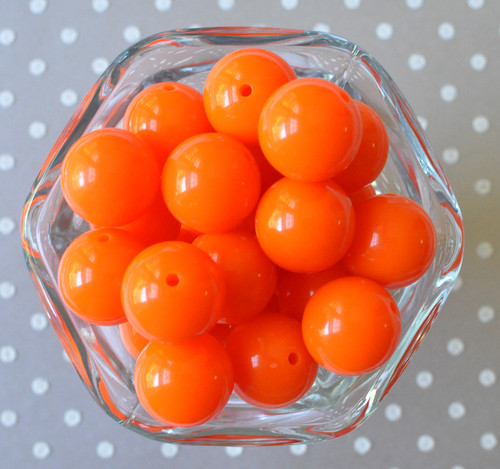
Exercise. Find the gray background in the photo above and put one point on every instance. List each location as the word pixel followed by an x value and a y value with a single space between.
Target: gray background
pixel 444 412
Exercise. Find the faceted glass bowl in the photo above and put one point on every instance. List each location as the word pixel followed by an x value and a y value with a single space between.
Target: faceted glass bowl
pixel 335 404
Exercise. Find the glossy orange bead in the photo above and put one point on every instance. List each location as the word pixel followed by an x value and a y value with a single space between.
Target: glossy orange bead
pixel 238 86
pixel 362 194
pixel 351 326
pixel 186 383
pixel 272 367
pixel 295 290
pixel 132 340
pixel 165 114
pixel 171 291
pixel 110 177
pixel 372 153
pixel 211 182
pixel 91 271
pixel 310 129
pixel 304 227
pixel 268 174
pixel 394 241
pixel 250 277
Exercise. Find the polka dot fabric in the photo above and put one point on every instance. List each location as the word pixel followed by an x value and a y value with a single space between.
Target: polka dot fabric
pixel 443 412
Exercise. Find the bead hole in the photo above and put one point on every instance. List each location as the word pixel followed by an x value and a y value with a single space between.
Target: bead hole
pixel 169 87
pixel 172 280
pixel 293 358
pixel 103 238
pixel 245 90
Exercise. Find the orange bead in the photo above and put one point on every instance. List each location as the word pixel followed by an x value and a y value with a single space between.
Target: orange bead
pixel 211 182
pixel 171 291
pixel 272 367
pixel 110 177
pixel 362 194
pixel 238 86
pixel 249 275
pixel 394 241
pixel 268 174
pixel 184 384
pixel 310 129
pixel 351 326
pixel 304 227
pixel 295 290
pixel 91 271
pixel 132 340
pixel 372 154
pixel 165 114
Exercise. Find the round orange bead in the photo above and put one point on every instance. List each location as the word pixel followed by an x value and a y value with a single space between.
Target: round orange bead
pixel 304 227
pixel 184 384
pixel 91 271
pixel 211 182
pixel 109 177
pixel 238 86
pixel 171 291
pixel 249 275
pixel 165 114
pixel 132 340
pixel 310 129
pixel 351 326
pixel 394 241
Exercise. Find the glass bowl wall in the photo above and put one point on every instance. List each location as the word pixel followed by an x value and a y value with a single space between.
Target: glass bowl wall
pixel 335 405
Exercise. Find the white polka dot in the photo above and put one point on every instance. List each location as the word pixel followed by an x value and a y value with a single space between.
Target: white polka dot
pixel 41 450
pixel 169 450
pixel 384 31
pixel 416 61
pixel 480 124
pixel 425 443
pixel 68 97
pixel 456 410
pixel 458 467
pixel 226 4
pixel 7 225
pixel 7 36
pixel 163 5
pixel 69 35
pixel 99 64
pixel 105 449
pixel 393 412
pixel 478 62
pixel 72 417
pixel 424 379
pixel 37 129
pixel 486 313
pixel 39 321
pixel 362 445
pixel 38 6
pixel 352 4
pixel 448 93
pixel 414 4
pixel 7 290
pixel 7 98
pixel 323 27
pixel 482 186
pixel 131 34
pixel 8 418
pixel 475 4
pixel 37 67
pixel 289 4
pixel 234 451
pixel 8 354
pixel 7 162
pixel 487 378
pixel 40 386
pixel 459 282
pixel 451 155
pixel 446 31
pixel 100 5
pixel 455 346
pixel 484 250
pixel 423 122
pixel 488 441
pixel 298 449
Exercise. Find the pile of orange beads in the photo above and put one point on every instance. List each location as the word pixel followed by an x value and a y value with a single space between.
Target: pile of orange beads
pixel 237 241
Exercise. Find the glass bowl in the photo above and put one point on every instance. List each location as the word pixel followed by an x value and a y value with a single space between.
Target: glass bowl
pixel 335 404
